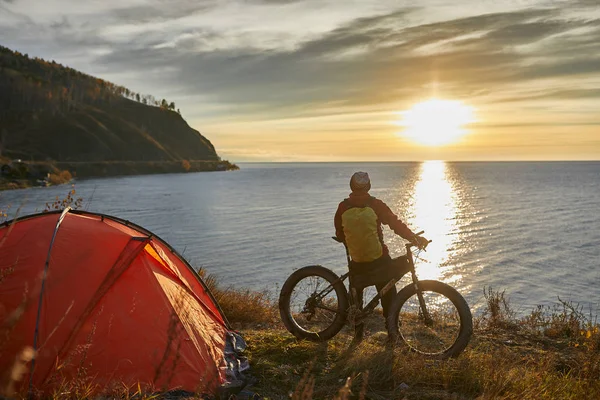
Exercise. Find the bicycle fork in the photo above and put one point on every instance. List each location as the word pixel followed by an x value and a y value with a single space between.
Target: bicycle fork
pixel 422 304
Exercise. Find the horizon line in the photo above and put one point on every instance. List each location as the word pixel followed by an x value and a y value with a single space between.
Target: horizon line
pixel 410 161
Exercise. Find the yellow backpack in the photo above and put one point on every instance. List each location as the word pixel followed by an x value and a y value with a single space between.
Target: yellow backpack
pixel 360 230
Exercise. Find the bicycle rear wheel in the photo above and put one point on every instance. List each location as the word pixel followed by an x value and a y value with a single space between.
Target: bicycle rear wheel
pixel 445 333
pixel 313 303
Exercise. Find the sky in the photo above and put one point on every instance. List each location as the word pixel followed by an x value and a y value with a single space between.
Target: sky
pixel 304 80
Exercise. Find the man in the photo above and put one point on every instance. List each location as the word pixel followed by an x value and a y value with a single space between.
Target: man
pixel 358 223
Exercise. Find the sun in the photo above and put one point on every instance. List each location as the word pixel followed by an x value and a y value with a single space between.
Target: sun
pixel 436 122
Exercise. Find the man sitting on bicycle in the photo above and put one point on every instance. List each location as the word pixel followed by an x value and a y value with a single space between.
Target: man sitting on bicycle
pixel 358 224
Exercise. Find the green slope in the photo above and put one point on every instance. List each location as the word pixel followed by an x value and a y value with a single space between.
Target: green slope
pixel 52 112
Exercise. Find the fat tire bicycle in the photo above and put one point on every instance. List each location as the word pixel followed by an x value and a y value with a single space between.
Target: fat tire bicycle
pixel 428 316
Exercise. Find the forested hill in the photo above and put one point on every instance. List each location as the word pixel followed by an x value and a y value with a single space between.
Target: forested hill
pixel 52 112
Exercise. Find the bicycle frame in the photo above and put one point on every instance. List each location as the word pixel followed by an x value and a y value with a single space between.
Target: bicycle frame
pixel 375 301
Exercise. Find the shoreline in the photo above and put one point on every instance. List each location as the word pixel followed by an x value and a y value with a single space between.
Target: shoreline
pixel 108 169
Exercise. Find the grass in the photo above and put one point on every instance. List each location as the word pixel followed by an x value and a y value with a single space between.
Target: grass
pixel 68 201
pixel 60 177
pixel 552 353
pixel 242 307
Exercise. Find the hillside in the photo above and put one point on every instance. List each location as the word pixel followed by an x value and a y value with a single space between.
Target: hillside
pixel 49 112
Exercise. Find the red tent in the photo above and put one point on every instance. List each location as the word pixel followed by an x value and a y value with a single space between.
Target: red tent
pixel 102 301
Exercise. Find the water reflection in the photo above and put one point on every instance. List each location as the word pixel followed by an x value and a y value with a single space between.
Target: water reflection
pixel 433 208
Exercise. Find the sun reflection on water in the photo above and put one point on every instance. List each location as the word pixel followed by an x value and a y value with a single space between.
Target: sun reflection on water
pixel 433 208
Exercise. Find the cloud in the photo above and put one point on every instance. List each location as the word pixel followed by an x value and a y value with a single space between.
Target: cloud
pixel 569 94
pixel 587 3
pixel 377 60
pixel 277 1
pixel 524 33
pixel 382 61
pixel 160 11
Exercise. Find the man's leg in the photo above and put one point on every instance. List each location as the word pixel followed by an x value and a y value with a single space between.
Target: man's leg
pixel 386 301
pixel 392 269
pixel 359 329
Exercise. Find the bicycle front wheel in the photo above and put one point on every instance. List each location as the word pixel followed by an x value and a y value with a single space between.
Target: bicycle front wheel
pixel 313 303
pixel 441 330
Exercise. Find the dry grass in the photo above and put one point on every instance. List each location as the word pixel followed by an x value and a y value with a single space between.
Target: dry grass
pixel 60 177
pixel 242 307
pixel 245 307
pixel 552 354
pixel 68 201
pixel 4 212
pixel 497 313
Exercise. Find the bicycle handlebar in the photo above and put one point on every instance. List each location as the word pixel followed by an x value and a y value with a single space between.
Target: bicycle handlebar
pixel 411 244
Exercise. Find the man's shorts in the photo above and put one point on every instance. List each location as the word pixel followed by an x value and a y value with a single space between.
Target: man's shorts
pixel 378 272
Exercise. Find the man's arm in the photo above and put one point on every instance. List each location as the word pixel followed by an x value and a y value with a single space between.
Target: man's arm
pixel 337 222
pixel 387 217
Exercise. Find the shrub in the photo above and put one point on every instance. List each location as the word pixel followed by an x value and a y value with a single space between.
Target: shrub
pixel 498 313
pixel 241 306
pixel 69 201
pixel 60 177
pixel 66 176
pixel 245 307
pixel 4 212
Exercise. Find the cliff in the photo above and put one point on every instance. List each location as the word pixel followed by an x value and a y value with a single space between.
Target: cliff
pixel 49 112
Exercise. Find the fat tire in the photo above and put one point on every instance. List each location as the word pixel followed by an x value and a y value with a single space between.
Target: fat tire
pixel 464 312
pixel 284 303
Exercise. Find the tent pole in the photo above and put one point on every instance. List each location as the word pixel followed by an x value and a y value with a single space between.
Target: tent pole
pixel 37 319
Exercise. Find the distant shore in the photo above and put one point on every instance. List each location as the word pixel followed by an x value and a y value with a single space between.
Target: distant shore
pixel 117 168
pixel 56 173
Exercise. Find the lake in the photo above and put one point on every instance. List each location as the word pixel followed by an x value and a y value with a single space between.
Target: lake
pixel 529 228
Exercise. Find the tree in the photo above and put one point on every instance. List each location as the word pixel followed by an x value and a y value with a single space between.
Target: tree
pixel 3 139
pixel 137 97
pixel 172 106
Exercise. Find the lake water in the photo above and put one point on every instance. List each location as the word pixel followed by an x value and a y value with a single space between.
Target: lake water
pixel 530 228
